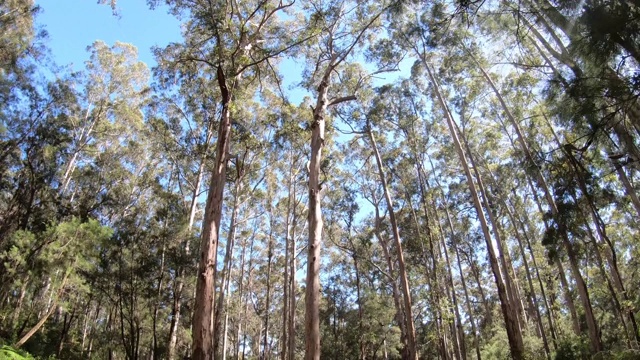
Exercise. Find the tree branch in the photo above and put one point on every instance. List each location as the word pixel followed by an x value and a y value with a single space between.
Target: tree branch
pixel 342 99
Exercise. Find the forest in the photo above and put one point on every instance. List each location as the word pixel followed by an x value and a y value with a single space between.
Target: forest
pixel 460 180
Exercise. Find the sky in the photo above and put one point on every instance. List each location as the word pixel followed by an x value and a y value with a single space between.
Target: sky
pixel 73 25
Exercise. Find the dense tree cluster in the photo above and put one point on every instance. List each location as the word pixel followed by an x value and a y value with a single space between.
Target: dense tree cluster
pixel 461 182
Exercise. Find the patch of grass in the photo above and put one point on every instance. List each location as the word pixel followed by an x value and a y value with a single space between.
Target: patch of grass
pixel 9 353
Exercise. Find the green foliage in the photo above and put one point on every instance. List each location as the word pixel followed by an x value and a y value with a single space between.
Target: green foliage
pixel 572 349
pixel 498 347
pixel 9 353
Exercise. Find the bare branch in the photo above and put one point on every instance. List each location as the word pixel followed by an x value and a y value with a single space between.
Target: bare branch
pixel 342 99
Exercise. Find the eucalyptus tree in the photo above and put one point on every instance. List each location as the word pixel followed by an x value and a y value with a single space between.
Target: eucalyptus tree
pixel 20 48
pixel 367 245
pixel 237 41
pixel 113 91
pixel 599 100
pixel 402 267
pixel 414 36
pixel 183 131
pixel 289 140
pixel 342 27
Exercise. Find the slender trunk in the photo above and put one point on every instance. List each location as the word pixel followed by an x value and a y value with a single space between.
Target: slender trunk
pixel 404 277
pixel 454 244
pixel 292 282
pixel 594 334
pixel 615 302
pixel 361 341
pixel 631 192
pixel 511 322
pixel 431 276
pixel 523 234
pixel 434 278
pixel 225 332
pixel 392 278
pixel 46 316
pixel 583 292
pixel 240 297
pixel 82 140
pixel 610 252
pixel 226 270
pixel 287 255
pixel 202 315
pixel 154 348
pixel 312 293
pixel 66 326
pixel 459 331
pixel 532 291
pixel 476 341
pixel 265 349
pixel 475 272
pixel 91 331
pixel 18 306
pixel 561 273
pixel 503 251
pixel 255 348
pixel 177 302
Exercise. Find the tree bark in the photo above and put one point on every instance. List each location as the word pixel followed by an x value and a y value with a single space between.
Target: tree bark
pixel 202 315
pixel 312 293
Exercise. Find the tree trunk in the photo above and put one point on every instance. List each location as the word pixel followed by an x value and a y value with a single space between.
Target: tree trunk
pixel 392 278
pixel 532 291
pixel 312 293
pixel 404 278
pixel 454 244
pixel 226 270
pixel 594 334
pixel 177 302
pixel 292 281
pixel 43 319
pixel 510 318
pixel 583 292
pixel 459 331
pixel 18 306
pixel 202 315
pixel 66 326
pixel 622 175
pixel 610 253
pixel 241 317
pixel 154 314
pixel 503 251
pixel 265 349
pixel 433 279
pixel 287 256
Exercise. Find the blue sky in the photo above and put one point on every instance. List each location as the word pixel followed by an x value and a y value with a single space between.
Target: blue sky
pixel 75 24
